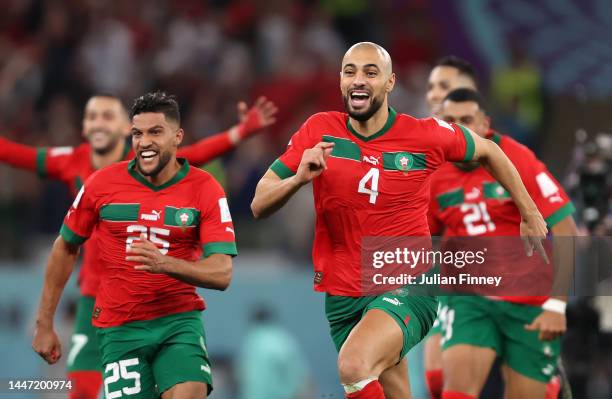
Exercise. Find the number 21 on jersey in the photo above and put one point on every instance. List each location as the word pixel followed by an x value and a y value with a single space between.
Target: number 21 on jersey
pixel 369 184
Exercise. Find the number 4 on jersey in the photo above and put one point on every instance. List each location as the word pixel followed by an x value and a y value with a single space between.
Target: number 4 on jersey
pixel 372 178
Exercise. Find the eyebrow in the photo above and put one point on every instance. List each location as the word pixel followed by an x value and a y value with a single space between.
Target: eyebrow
pixel 365 66
pixel 134 129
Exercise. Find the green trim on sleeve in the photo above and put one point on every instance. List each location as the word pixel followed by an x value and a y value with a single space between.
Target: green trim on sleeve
pixel 470 147
pixel 41 162
pixel 70 237
pixel 281 169
pixel 560 214
pixel 226 248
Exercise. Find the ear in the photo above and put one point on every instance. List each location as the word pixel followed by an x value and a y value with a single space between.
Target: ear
pixel 486 122
pixel 390 83
pixel 178 138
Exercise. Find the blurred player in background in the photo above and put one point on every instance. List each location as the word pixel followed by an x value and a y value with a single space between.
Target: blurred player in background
pixel 363 185
pixel 163 228
pixel 523 331
pixel 105 127
pixel 448 74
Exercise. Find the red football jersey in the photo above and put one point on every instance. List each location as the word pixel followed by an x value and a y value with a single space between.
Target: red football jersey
pixel 186 218
pixel 376 186
pixel 72 166
pixel 471 203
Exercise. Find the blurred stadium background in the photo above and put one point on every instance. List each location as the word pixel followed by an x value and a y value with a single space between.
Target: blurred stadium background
pixel 545 66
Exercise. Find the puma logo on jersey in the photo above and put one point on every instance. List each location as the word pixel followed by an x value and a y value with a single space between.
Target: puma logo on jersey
pixel 472 195
pixel 371 159
pixel 230 230
pixel 444 124
pixel 393 301
pixel 154 216
pixel 205 369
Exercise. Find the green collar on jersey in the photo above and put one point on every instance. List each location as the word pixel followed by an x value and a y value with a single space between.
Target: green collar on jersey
pixel 182 172
pixel 388 124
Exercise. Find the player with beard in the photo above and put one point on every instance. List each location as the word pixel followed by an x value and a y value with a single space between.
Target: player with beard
pixel 370 171
pixel 105 127
pixel 522 330
pixel 448 74
pixel 164 228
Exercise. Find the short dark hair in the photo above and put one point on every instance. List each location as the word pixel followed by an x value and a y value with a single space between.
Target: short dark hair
pixel 463 66
pixel 156 102
pixel 464 95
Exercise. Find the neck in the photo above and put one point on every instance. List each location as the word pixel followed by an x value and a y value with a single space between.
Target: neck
pixel 167 173
pixel 374 124
pixel 100 161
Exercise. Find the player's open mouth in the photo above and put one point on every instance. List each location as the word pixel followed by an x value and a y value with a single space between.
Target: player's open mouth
pixel 359 98
pixel 148 155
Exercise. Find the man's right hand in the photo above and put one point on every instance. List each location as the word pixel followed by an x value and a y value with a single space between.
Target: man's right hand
pixel 47 344
pixel 313 162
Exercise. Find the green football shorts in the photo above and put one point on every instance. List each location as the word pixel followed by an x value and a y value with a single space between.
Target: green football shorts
pixel 414 315
pixel 499 325
pixel 84 353
pixel 142 359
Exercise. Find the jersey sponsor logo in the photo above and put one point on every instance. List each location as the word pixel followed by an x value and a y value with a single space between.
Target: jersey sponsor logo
pixel 57 151
pixel 444 124
pixel 153 216
pixel 371 159
pixel 472 195
pixel 226 216
pixel 403 161
pixel 393 301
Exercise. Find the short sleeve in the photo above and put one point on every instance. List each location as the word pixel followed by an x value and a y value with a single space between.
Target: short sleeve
pixel 53 162
pixel 217 234
pixel 550 198
pixel 81 217
pixel 455 140
pixel 287 164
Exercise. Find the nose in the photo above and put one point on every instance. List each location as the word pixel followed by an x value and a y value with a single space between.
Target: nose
pixel 360 79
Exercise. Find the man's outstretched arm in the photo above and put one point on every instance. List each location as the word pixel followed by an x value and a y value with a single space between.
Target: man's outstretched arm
pixel 252 120
pixel 61 262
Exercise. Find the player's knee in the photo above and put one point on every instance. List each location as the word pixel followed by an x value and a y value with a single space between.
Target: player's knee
pixel 353 368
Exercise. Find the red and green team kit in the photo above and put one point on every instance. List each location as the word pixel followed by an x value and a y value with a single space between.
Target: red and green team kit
pixel 375 186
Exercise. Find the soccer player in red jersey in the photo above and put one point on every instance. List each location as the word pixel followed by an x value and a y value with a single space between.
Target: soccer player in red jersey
pixel 165 228
pixel 524 331
pixel 105 127
pixel 448 74
pixel 370 171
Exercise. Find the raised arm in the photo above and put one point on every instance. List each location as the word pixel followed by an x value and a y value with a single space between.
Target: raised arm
pixel 252 121
pixel 272 192
pixel 45 162
pixel 533 226
pixel 61 262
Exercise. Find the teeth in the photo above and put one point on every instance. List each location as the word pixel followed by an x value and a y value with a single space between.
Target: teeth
pixel 360 95
pixel 148 154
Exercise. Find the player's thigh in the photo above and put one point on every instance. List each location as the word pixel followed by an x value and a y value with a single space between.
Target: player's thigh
pixel 181 363
pixel 519 386
pixel 187 390
pixel 525 353
pixel 432 353
pixel 84 353
pixel 125 353
pixel 390 326
pixel 470 343
pixel 395 381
